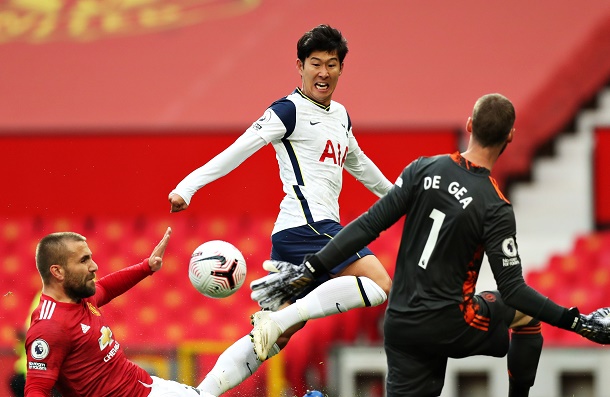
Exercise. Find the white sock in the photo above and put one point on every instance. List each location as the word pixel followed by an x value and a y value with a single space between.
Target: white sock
pixel 233 366
pixel 336 295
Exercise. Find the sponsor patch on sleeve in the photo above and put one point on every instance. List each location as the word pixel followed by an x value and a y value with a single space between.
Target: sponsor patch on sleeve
pixel 37 366
pixel 510 262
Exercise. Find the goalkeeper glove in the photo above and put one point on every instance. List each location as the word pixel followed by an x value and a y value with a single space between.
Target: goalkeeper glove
pixel 594 326
pixel 285 281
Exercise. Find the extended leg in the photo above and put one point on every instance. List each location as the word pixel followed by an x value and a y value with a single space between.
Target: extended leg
pixel 233 366
pixel 335 296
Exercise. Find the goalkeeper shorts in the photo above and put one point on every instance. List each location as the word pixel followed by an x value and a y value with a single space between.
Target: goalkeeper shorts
pixel 417 353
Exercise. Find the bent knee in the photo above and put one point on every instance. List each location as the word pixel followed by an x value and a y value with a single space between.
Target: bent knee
pixel 520 320
pixel 385 285
pixel 382 280
pixel 283 340
pixel 371 268
pixel 374 293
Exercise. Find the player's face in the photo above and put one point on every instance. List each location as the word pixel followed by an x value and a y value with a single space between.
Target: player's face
pixel 320 74
pixel 79 271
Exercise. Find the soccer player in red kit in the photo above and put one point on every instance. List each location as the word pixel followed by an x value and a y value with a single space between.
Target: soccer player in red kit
pixel 69 344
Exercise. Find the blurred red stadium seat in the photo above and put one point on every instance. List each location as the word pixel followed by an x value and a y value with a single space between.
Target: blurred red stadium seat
pixel 579 278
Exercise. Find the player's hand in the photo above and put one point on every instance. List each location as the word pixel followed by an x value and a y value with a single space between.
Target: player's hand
pixel 285 281
pixel 177 203
pixel 155 261
pixel 595 326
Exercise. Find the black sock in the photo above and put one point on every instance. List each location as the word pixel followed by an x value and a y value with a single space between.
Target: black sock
pixel 523 356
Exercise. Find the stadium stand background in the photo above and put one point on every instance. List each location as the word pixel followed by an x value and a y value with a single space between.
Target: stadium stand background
pixel 103 113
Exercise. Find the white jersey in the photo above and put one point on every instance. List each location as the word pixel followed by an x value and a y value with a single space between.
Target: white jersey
pixel 313 143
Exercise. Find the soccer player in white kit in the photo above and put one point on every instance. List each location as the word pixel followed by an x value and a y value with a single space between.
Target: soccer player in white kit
pixel 313 139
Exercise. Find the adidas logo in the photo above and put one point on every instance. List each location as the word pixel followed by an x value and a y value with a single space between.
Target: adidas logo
pixel 84 327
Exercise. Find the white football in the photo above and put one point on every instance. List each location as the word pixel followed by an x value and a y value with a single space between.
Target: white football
pixel 217 269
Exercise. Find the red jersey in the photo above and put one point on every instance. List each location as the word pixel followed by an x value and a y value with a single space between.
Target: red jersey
pixel 71 345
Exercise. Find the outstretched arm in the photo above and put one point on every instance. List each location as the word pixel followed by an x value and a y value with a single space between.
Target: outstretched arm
pixel 226 161
pixel 117 283
pixel 155 261
pixel 506 267
pixel 366 172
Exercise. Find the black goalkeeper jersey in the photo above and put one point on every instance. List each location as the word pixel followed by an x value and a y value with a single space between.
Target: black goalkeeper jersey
pixel 455 214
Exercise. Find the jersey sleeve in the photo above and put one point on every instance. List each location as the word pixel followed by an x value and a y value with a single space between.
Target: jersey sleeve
pixel 117 283
pixel 46 348
pixel 365 170
pixel 384 213
pixel 226 161
pixel 278 121
pixel 503 255
pixel 39 387
pixel 275 123
pixel 499 233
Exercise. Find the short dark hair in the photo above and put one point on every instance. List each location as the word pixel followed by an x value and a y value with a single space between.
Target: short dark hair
pixel 322 38
pixel 493 118
pixel 52 250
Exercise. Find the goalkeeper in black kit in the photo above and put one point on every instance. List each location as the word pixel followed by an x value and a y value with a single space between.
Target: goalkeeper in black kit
pixel 455 214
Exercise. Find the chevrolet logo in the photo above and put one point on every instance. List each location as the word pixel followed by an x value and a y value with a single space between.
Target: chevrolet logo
pixel 106 337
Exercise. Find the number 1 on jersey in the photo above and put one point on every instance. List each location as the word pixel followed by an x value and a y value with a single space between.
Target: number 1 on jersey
pixel 438 219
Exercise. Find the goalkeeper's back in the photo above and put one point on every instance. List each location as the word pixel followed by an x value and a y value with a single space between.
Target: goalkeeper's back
pixel 454 213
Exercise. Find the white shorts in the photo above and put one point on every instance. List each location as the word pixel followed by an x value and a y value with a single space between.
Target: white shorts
pixel 169 388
